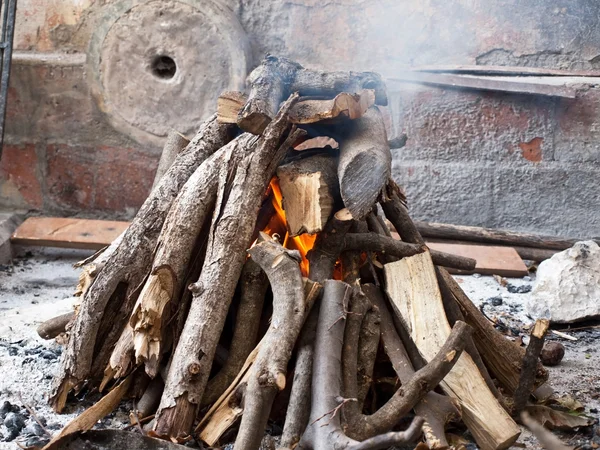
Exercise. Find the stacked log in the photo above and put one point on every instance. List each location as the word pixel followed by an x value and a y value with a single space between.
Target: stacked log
pixel 260 283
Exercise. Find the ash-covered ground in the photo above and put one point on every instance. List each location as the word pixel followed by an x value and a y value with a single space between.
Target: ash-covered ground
pixel 40 283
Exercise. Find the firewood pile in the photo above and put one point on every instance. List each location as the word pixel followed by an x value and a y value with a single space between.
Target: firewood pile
pixel 260 283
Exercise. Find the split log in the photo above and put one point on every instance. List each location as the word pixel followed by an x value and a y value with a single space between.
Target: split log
pixel 492 236
pixel 253 286
pixel 126 268
pixel 268 374
pixel 240 195
pixel 308 110
pixel 529 368
pixel 502 357
pixel 412 287
pixel 437 410
pixel 174 145
pixel 324 430
pixel 527 253
pixel 365 163
pixel 162 290
pixel 310 188
pixel 276 78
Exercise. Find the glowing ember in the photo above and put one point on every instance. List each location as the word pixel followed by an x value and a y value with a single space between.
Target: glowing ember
pixel 302 243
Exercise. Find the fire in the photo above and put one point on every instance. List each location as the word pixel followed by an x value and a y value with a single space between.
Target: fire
pixel 302 243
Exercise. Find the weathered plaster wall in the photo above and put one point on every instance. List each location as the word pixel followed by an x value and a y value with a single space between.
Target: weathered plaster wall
pixel 476 158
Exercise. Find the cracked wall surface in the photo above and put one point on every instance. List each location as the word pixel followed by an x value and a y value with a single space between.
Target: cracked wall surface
pixel 491 159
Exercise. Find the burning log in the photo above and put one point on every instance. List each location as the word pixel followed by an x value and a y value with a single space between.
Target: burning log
pixel 310 188
pixel 155 304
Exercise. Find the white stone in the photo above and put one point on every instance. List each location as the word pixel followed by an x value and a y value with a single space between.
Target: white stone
pixel 567 287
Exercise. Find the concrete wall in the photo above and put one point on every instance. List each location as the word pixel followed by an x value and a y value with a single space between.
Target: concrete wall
pixel 516 161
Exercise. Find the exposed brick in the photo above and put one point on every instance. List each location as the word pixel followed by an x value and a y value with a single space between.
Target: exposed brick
pixel 99 178
pixel 532 150
pixel 19 185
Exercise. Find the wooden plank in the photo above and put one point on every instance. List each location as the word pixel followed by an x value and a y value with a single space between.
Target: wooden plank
pixel 68 232
pixel 491 260
pixel 411 285
pixel 506 70
pixel 518 85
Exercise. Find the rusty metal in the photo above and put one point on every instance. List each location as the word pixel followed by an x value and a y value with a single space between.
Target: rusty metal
pixel 9 10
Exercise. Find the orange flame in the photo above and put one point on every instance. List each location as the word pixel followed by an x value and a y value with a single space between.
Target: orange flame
pixel 302 243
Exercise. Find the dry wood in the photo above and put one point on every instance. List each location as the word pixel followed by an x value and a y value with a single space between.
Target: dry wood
pixel 502 357
pixel 148 402
pixel 240 194
pixel 437 410
pixel 412 287
pixel 368 344
pixel 126 268
pixel 67 232
pixel 268 87
pixel 365 163
pixel 228 408
pixel 324 430
pixel 254 284
pixel 361 426
pixel 268 373
pixel 307 110
pixel 296 418
pixel 527 253
pixel 310 188
pixel 55 326
pixel 492 236
pixel 276 77
pixel 530 362
pixel 174 145
pixel 86 420
pixel 162 290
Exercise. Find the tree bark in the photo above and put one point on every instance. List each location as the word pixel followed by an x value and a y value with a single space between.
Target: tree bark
pixel 324 430
pixel 240 196
pixel 529 367
pixel 128 265
pixel 254 285
pixel 174 145
pixel 268 373
pixel 162 290
pixel 365 163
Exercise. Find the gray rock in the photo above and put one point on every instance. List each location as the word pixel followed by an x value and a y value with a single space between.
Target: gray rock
pixel 14 421
pixel 567 287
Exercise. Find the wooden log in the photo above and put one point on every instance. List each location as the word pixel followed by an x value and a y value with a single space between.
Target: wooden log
pixel 412 287
pixel 365 163
pixel 437 410
pixel 276 78
pixel 492 236
pixel 162 290
pixel 308 110
pixel 526 253
pixel 268 374
pixel 324 430
pixel 126 268
pixel 310 188
pixel 253 287
pixel 268 87
pixel 53 327
pixel 530 361
pixel 175 144
pixel 502 357
pixel 238 203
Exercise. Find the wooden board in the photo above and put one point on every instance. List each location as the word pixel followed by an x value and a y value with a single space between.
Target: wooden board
pixel 503 261
pixel 68 232
pixel 412 288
